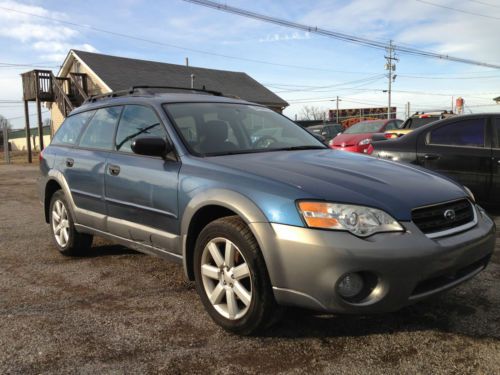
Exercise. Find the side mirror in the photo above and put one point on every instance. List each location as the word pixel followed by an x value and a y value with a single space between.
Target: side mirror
pixel 151 146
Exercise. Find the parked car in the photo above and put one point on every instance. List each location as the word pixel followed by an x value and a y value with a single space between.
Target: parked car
pixel 280 221
pixel 415 121
pixel 358 137
pixel 328 131
pixel 465 148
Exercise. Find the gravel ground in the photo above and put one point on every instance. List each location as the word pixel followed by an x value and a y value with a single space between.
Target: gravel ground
pixel 118 311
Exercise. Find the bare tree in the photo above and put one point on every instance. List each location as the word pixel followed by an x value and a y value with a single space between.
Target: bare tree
pixel 312 113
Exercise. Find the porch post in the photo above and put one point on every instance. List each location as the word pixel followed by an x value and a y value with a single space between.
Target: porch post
pixel 27 126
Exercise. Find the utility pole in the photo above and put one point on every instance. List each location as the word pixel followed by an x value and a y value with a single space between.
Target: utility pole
pixel 337 109
pixel 6 142
pixel 391 67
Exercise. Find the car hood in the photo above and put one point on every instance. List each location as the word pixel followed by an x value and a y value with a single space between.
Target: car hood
pixel 350 139
pixel 343 177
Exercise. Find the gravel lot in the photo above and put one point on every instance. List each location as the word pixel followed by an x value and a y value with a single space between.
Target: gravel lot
pixel 118 311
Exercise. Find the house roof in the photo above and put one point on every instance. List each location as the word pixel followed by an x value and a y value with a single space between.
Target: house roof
pixel 120 73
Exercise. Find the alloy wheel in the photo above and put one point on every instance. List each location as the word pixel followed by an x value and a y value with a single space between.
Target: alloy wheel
pixel 226 278
pixel 60 223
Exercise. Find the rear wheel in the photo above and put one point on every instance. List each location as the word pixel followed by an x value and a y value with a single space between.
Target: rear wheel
pixel 231 277
pixel 62 226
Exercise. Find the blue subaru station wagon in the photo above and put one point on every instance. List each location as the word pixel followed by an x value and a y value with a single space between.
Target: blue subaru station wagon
pixel 260 213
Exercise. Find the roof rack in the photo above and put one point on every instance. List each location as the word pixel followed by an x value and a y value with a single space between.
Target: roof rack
pixel 144 89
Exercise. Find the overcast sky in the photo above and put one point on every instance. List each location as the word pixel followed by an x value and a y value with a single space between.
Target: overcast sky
pixel 301 67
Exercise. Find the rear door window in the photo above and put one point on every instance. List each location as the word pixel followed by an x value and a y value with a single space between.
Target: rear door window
pixel 466 133
pixel 71 128
pixel 101 129
pixel 137 121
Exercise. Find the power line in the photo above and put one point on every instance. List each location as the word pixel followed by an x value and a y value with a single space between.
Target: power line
pixel 447 78
pixel 140 39
pixel 334 34
pixel 32 115
pixel 458 10
pixel 484 3
pixel 366 80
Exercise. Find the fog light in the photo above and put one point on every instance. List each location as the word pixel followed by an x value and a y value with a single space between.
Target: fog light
pixel 350 285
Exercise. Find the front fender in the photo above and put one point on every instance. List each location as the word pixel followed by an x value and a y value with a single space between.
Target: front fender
pixel 236 202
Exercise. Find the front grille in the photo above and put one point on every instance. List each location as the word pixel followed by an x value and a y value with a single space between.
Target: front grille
pixel 432 219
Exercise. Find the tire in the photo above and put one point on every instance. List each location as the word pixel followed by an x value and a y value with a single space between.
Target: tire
pixel 62 227
pixel 242 299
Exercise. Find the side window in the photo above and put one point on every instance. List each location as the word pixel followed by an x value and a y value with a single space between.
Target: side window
pixel 137 121
pixel 399 124
pixel 101 129
pixel 497 132
pixel 71 128
pixel 461 133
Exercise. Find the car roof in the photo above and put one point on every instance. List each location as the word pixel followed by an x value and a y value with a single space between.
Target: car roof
pixel 451 119
pixel 159 99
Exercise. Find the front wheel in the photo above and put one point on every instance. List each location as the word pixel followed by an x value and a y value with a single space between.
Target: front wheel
pixel 231 277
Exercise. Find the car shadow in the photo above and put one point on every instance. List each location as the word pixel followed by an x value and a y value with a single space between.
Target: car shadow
pixel 446 316
pixel 109 250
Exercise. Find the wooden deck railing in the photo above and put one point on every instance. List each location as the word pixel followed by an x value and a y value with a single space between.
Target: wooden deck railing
pixel 68 93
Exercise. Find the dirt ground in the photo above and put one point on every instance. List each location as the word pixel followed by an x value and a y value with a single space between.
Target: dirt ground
pixel 118 311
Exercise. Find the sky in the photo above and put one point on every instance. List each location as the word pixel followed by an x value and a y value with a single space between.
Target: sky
pixel 303 68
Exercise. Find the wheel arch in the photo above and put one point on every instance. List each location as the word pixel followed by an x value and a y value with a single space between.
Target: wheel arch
pixel 50 188
pixel 209 206
pixel 57 179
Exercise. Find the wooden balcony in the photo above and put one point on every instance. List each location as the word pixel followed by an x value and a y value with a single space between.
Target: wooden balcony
pixel 42 86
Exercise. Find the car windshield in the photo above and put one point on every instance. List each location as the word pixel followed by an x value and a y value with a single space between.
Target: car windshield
pixel 417 122
pixel 211 129
pixel 365 127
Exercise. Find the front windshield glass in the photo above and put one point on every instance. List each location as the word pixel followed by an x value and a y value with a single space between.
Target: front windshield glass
pixel 417 122
pixel 365 127
pixel 220 128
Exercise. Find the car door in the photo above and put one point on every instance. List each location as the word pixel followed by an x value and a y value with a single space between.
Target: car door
pixel 460 150
pixel 141 191
pixel 84 167
pixel 495 186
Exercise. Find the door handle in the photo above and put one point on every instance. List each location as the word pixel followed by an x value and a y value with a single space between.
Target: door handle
pixel 114 170
pixel 69 162
pixel 431 156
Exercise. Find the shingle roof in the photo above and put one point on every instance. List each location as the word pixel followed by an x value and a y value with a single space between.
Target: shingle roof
pixel 120 73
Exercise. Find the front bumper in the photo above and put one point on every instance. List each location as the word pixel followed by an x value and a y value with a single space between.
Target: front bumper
pixel 305 264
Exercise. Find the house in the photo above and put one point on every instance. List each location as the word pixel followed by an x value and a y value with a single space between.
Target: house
pixel 97 74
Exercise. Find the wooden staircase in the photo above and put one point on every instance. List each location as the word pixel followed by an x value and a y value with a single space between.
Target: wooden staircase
pixel 67 92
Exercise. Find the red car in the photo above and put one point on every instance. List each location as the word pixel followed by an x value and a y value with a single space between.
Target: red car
pixel 358 137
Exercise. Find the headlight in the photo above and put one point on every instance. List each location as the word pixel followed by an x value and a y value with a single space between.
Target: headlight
pixel 471 196
pixel 359 220
pixel 364 141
